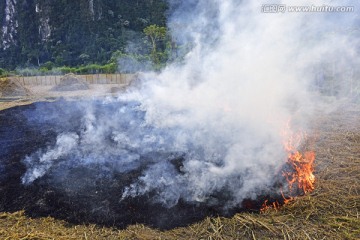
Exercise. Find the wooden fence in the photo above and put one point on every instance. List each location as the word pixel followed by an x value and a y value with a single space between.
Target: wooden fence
pixel 91 79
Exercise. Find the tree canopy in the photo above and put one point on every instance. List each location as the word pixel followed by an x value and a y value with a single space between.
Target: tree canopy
pixel 73 33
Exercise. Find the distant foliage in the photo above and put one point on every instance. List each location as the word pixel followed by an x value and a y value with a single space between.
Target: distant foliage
pixel 52 34
pixel 85 69
pixel 3 73
pixel 157 36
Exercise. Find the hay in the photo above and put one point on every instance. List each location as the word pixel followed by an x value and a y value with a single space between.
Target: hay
pixel 12 87
pixel 71 82
pixel 331 211
pixel 117 90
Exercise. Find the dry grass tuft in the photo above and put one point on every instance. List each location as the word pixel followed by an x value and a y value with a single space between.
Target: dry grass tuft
pixel 331 211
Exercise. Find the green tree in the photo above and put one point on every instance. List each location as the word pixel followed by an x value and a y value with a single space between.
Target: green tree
pixel 155 34
pixel 84 58
pixel 48 65
pixel 3 72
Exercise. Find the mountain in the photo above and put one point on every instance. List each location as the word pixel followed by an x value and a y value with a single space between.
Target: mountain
pixel 71 33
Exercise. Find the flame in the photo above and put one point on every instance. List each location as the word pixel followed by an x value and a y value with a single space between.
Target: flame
pixel 298 171
pixel 303 166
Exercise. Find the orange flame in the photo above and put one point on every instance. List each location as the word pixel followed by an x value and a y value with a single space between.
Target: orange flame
pixel 303 166
pixel 299 175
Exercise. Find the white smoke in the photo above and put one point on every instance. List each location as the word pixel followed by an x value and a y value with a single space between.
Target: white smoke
pixel 226 106
pixel 246 76
pixel 65 143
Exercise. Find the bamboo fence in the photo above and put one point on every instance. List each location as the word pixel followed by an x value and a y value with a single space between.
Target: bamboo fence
pixel 123 79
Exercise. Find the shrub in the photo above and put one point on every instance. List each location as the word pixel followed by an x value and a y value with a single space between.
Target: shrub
pixel 3 73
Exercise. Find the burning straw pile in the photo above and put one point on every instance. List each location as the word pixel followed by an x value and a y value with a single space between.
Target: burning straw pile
pixel 330 211
pixel 83 168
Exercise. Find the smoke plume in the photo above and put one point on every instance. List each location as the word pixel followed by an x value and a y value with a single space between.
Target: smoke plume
pixel 211 129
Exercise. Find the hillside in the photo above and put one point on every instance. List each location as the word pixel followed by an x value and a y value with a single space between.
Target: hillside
pixel 71 33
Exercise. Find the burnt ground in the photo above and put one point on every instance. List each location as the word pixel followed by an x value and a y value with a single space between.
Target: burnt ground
pixel 98 203
pixel 96 197
pixel 330 212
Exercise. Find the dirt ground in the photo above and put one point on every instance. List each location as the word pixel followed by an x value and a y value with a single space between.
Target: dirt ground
pixel 331 211
pixel 44 93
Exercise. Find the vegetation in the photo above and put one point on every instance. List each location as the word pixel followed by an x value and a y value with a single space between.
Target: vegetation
pixel 83 69
pixel 3 72
pixel 76 34
pixel 156 34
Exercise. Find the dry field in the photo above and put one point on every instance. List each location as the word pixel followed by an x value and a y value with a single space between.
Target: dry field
pixel 331 211
pixel 44 93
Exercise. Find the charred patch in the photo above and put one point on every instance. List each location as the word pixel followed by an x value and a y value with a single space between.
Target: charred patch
pixel 93 192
